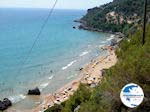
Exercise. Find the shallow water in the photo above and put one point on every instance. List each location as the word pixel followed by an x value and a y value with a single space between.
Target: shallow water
pixel 56 58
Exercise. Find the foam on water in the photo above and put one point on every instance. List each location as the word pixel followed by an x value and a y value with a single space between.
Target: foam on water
pixel 70 64
pixel 89 45
pixel 71 76
pixel 111 37
pixel 51 77
pixel 53 53
pixel 44 85
pixel 101 46
pixel 75 74
pixel 17 98
pixel 83 53
pixel 108 39
pixel 103 42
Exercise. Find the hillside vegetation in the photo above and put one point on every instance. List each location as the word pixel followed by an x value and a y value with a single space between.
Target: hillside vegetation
pixel 117 16
pixel 133 66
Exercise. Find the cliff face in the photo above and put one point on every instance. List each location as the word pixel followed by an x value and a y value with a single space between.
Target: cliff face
pixel 117 16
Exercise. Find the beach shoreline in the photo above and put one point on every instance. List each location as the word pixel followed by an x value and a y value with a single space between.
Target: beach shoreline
pixel 90 74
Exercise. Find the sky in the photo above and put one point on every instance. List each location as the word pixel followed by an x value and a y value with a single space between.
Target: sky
pixel 62 4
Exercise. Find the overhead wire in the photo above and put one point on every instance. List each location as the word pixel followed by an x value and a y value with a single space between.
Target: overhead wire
pixel 37 37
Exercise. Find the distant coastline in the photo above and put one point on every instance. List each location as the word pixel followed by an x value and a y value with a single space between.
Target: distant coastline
pixel 83 25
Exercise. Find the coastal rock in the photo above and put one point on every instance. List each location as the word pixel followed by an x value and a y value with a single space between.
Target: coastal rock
pixel 82 27
pixel 2 106
pixel 113 42
pixel 80 21
pixel 5 104
pixel 119 35
pixel 35 91
pixel 85 27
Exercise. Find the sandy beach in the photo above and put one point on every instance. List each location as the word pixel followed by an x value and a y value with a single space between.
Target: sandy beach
pixel 91 74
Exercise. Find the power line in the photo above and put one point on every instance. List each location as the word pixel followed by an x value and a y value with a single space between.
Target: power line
pixel 38 36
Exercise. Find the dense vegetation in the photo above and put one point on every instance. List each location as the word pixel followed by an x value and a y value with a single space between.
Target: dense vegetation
pixel 133 66
pixel 127 13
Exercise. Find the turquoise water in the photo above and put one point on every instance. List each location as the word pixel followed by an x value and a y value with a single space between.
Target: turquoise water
pixel 57 56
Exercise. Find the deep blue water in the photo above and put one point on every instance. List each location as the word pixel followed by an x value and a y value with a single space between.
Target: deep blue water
pixel 56 57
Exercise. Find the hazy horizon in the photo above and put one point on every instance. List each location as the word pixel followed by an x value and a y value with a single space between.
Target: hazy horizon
pixel 61 4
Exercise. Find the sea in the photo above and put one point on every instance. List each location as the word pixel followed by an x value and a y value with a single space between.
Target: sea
pixel 55 58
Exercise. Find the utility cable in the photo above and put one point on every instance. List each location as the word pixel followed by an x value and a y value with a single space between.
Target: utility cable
pixel 38 36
